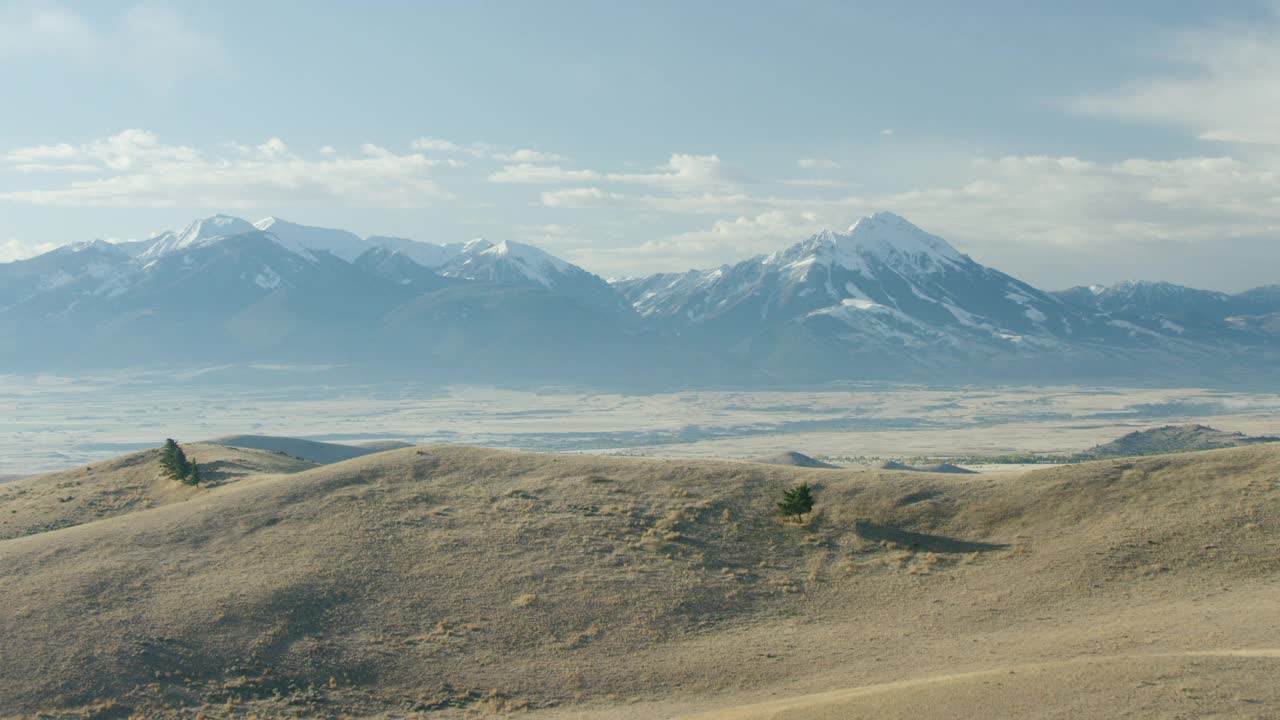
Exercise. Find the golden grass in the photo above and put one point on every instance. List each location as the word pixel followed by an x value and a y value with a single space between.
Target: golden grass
pixel 456 582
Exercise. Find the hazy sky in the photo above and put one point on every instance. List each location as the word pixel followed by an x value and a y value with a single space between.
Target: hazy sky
pixel 1065 143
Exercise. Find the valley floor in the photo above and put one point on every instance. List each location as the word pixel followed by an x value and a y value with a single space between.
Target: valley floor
pixel 50 423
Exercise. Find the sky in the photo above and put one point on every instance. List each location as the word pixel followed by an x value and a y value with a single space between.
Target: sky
pixel 1063 143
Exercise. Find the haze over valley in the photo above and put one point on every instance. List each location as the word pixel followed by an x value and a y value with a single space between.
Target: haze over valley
pixel 648 361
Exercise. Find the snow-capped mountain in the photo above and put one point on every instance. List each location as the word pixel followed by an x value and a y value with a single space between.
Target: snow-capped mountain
pixel 343 244
pixel 221 289
pixel 400 268
pixel 513 263
pixel 1149 297
pixel 882 299
pixel 423 253
pixel 87 269
pixel 883 279
pixel 1180 310
pixel 505 261
pixel 199 231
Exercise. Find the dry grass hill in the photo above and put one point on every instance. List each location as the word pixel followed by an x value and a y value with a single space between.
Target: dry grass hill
pixel 794 459
pixel 322 453
pixel 1173 438
pixel 124 485
pixel 459 582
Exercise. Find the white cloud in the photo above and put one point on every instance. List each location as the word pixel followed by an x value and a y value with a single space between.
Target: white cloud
pixel 1016 212
pixel 14 249
pixel 542 174
pixel 440 145
pixel 147 41
pixel 886 132
pixel 687 172
pixel 45 29
pixel 135 168
pixel 726 241
pixel 581 198
pixel 1222 86
pixel 487 151
pixel 810 163
pixel 552 235
pixel 681 174
pixel 527 155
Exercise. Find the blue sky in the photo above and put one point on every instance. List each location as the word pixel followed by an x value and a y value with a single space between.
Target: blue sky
pixel 1063 144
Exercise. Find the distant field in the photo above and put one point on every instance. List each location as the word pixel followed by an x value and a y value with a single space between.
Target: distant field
pixel 50 423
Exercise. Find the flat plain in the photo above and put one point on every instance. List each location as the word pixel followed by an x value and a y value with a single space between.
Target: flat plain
pixel 50 423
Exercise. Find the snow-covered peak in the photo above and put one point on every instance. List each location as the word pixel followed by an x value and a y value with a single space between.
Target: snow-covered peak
pixel 424 253
pixel 507 261
pixel 476 246
pixel 95 245
pixel 885 234
pixel 303 239
pixel 526 254
pixel 196 233
pixel 882 237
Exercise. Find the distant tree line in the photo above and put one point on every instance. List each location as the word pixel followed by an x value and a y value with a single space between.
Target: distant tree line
pixel 176 465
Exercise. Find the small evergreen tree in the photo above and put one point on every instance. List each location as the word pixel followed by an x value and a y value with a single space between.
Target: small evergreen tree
pixel 171 459
pixel 797 501
pixel 175 464
pixel 193 473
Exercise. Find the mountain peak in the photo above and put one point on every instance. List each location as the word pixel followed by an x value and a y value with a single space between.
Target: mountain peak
pixel 887 233
pixel 215 226
pixel 477 245
pixel 305 239
pixel 267 222
pixel 197 232
pixel 883 217
pixel 95 244
pixel 507 261
pixel 882 237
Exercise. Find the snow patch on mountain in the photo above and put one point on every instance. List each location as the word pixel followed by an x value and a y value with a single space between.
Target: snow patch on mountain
pixel 506 260
pixel 423 253
pixel 306 239
pixel 267 279
pixel 198 232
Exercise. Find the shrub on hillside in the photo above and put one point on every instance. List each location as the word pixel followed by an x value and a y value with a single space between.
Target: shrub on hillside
pixel 797 501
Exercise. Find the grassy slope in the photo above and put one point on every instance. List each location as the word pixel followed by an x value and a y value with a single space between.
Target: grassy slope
pixel 124 485
pixel 1173 439
pixel 462 580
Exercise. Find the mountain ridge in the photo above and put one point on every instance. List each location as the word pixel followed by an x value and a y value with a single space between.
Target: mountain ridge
pixel 883 300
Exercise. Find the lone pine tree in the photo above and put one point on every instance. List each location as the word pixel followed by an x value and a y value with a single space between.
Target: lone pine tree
pixel 797 501
pixel 176 465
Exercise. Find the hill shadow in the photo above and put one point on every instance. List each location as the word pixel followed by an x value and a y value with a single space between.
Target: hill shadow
pixel 922 541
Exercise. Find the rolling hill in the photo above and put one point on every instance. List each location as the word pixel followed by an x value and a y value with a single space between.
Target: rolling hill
pixel 1173 439
pixel 320 453
pixel 452 582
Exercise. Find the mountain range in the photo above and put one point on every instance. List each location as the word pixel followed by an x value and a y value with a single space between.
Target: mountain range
pixel 883 300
